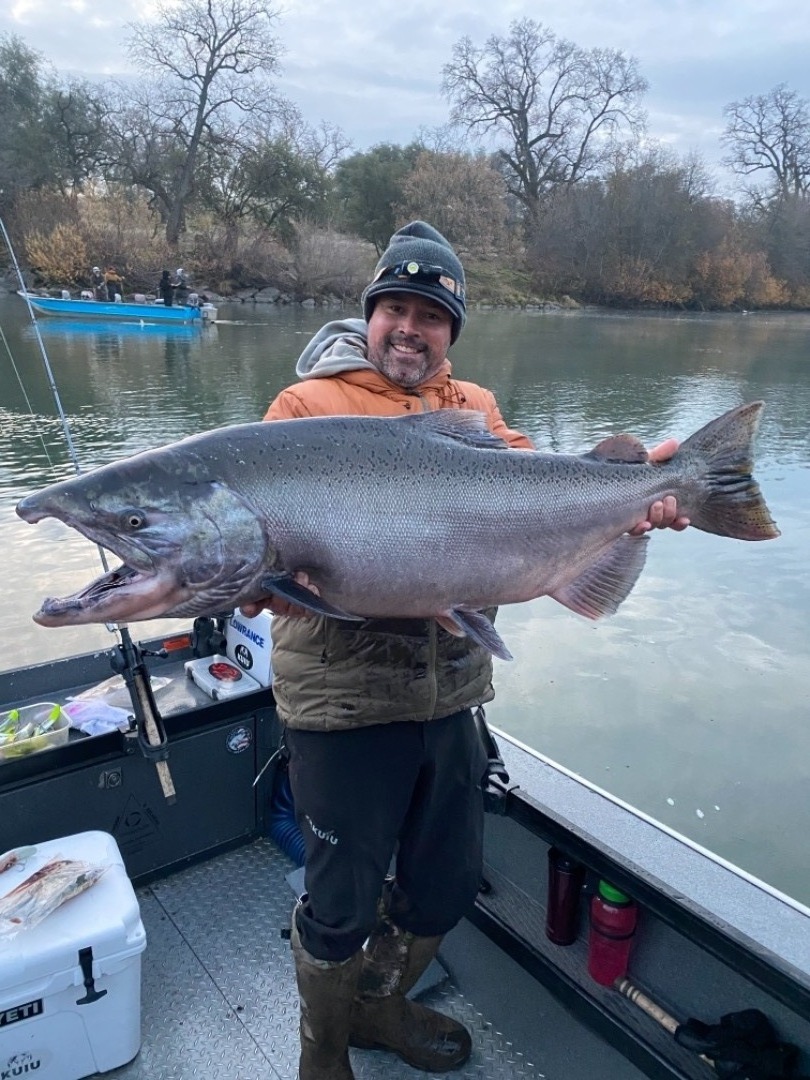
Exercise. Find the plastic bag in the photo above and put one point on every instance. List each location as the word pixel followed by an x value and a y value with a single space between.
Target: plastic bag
pixel 43 892
pixel 96 717
pixel 114 692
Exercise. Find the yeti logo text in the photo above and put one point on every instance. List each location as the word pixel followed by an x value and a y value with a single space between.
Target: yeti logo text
pixel 330 835
pixel 20 1012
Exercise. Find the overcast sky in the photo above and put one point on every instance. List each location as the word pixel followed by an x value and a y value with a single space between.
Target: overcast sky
pixel 374 69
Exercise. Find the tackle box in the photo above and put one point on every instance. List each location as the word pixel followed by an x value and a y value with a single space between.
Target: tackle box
pixel 70 987
pixel 30 717
pixel 219 677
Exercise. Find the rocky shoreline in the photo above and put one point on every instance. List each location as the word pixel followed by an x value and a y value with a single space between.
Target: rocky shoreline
pixel 270 296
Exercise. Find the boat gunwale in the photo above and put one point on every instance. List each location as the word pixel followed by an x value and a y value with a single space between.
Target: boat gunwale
pixel 752 929
pixel 103 309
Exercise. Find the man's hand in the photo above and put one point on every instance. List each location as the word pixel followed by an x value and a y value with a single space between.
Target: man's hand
pixel 282 607
pixel 664 513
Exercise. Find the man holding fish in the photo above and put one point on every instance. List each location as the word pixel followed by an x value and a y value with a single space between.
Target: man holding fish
pixel 383 515
pixel 385 757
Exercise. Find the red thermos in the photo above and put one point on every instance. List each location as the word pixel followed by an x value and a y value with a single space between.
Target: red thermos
pixel 613 923
pixel 565 881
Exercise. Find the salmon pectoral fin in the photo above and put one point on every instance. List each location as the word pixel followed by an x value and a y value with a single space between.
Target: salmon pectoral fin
pixel 475 625
pixel 285 586
pixel 606 583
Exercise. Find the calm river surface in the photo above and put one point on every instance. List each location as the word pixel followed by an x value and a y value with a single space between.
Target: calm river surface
pixel 691 703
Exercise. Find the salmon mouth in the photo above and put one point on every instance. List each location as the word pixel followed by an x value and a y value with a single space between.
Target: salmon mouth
pixel 123 581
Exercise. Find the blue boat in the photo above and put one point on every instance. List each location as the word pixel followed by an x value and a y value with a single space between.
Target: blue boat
pixel 132 312
pixel 57 326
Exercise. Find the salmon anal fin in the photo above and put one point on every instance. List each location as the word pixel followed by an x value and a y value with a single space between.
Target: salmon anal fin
pixel 601 588
pixel 448 623
pixel 475 625
pixel 285 586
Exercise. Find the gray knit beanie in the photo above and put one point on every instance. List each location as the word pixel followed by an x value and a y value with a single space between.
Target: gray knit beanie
pixel 420 260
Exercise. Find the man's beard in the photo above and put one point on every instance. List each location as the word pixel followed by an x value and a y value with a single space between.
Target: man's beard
pixel 406 371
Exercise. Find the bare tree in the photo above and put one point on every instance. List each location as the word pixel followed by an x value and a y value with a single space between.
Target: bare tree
pixel 462 195
pixel 769 136
pixel 209 60
pixel 554 107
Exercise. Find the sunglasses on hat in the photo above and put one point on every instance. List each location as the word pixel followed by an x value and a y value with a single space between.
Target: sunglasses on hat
pixel 424 273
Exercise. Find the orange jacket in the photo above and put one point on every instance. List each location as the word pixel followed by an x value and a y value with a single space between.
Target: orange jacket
pixel 368 393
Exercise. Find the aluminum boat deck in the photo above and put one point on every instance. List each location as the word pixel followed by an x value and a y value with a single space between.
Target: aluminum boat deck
pixel 220 1001
pixel 216 895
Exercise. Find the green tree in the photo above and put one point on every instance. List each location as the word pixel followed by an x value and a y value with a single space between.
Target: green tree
pixel 554 109
pixel 75 127
pixel 370 186
pixel 23 147
pixel 268 182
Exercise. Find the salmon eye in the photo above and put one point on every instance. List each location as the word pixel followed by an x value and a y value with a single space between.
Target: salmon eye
pixel 133 520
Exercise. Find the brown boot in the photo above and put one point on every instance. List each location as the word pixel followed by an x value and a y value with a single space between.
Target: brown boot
pixel 326 990
pixel 385 1019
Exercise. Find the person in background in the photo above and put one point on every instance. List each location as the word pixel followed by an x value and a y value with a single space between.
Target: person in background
pixel 181 286
pixel 385 760
pixel 114 283
pixel 99 285
pixel 165 289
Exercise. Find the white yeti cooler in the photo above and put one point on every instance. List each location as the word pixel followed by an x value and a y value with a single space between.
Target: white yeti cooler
pixel 70 987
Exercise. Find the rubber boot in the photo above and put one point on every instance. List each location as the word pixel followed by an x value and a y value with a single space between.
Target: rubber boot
pixel 385 1019
pixel 326 991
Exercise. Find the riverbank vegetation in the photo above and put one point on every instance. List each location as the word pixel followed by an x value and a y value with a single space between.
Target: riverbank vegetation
pixel 544 178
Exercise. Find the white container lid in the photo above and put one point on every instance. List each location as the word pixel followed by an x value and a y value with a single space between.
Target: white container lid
pixel 106 917
pixel 219 677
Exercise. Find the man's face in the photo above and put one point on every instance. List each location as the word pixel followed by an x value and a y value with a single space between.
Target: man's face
pixel 408 337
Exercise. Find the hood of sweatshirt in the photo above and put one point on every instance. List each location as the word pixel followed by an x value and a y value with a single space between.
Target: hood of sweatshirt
pixel 337 347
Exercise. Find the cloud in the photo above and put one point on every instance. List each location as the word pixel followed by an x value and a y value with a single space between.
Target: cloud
pixel 376 71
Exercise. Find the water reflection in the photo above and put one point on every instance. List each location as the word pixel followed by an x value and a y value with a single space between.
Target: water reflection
pixel 690 703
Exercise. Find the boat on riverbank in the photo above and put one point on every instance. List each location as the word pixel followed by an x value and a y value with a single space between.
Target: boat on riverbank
pixel 142 312
pixel 216 880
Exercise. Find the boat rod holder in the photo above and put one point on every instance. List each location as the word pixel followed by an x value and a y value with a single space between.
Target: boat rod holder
pixel 127 660
pixel 495 784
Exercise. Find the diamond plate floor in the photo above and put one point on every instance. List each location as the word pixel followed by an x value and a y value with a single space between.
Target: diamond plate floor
pixel 219 995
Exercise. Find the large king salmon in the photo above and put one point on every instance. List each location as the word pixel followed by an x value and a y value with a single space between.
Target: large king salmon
pixel 418 516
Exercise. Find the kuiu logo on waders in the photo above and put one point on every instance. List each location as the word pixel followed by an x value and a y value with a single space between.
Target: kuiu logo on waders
pixel 320 833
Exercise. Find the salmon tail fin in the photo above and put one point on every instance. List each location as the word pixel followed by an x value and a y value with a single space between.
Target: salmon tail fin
pixel 606 583
pixel 728 501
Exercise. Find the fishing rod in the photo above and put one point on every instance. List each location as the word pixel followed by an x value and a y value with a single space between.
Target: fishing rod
pixel 128 657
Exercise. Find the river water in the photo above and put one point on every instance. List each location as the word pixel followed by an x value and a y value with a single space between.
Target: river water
pixel 690 704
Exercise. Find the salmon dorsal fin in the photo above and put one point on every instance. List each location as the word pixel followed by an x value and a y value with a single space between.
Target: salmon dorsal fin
pixel 464 425
pixel 620 448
